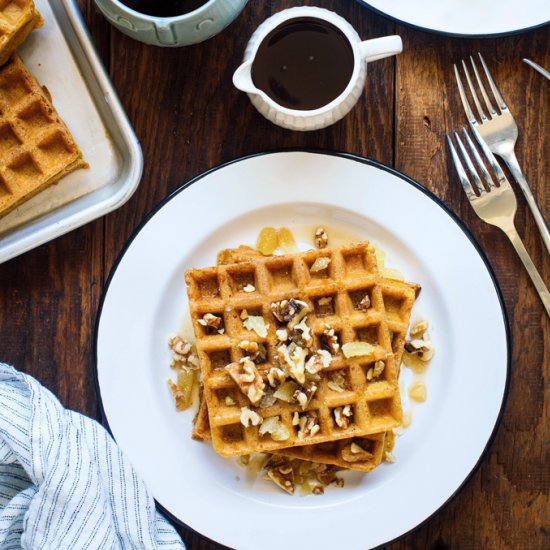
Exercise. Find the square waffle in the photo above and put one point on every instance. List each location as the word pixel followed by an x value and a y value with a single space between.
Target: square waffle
pixel 351 274
pixel 36 149
pixel 17 19
pixel 334 452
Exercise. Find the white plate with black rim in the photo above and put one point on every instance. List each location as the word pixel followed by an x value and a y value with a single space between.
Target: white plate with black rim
pixel 145 302
pixel 470 18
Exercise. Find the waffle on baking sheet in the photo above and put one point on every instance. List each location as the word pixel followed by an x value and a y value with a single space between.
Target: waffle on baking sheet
pixel 17 19
pixel 267 390
pixel 36 149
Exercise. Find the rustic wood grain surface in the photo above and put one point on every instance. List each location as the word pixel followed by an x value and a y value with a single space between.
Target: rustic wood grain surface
pixel 188 118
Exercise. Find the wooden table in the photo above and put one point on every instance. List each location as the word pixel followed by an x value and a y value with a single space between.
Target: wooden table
pixel 189 118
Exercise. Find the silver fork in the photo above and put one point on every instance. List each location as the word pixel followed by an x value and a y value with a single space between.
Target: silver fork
pixel 494 204
pixel 499 133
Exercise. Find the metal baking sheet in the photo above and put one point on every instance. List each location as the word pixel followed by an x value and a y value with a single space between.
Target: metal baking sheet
pixel 61 56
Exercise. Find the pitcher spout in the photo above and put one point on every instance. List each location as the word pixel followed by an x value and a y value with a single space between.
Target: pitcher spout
pixel 242 78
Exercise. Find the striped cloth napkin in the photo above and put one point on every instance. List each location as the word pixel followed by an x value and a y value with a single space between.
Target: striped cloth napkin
pixel 63 481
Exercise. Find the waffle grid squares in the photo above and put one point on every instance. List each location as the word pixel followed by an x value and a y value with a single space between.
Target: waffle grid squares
pixel 36 149
pixel 219 290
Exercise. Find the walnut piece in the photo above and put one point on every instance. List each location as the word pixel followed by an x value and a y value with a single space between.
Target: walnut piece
pixel 376 370
pixel 293 357
pixel 279 470
pixel 249 417
pixel 321 238
pixel 364 304
pixel 212 322
pixel 329 339
pixel 255 350
pixel 276 377
pixel 289 311
pixel 305 394
pixel 355 453
pixel 342 416
pixel 249 288
pixel 319 361
pixel 183 354
pixel 246 376
pixel 308 424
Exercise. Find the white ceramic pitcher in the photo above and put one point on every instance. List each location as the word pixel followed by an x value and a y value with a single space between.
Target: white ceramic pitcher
pixel 363 52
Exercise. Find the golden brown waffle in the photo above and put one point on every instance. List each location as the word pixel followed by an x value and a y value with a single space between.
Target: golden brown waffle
pixel 352 273
pixel 17 19
pixel 339 453
pixel 36 149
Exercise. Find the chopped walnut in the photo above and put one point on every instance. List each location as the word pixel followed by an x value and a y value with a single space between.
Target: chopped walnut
pixel 279 470
pixel 355 453
pixel 249 288
pixel 364 304
pixel 212 322
pixel 182 353
pixel 418 329
pixel 320 264
pixel 249 417
pixel 308 424
pixel 305 394
pixel 389 457
pixel 289 311
pixel 319 361
pixel 321 238
pixel 342 416
pixel 337 381
pixel 420 344
pixel 276 377
pixel 293 358
pixel 229 401
pixel 376 370
pixel 282 334
pixel 295 418
pixel 246 376
pixel 267 400
pixel 302 333
pixel 329 339
pixel 256 350
pixel 423 349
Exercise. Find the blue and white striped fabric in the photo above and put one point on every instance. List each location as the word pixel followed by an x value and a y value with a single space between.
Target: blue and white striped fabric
pixel 63 481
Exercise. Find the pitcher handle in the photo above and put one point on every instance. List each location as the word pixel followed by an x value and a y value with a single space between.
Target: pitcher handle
pixel 378 48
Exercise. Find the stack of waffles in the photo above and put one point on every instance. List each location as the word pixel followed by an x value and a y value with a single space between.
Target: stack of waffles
pixel 17 19
pixel 36 149
pixel 300 354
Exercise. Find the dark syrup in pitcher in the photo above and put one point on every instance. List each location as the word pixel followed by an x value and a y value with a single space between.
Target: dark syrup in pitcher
pixel 303 63
pixel 164 8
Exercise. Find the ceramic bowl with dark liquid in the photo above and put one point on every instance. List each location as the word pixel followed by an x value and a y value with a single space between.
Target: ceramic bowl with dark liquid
pixel 171 23
pixel 304 68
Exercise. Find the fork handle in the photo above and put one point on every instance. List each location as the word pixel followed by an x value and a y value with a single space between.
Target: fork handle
pixel 530 266
pixel 511 161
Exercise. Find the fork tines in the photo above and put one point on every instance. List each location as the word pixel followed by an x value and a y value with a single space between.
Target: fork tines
pixel 496 93
pixel 472 191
